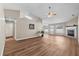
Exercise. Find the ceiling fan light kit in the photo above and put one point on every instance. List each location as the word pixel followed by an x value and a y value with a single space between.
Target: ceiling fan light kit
pixel 51 13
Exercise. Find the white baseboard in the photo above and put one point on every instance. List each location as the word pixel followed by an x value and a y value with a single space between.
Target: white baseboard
pixel 17 39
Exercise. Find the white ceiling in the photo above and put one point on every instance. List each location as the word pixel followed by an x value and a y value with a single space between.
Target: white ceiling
pixel 64 11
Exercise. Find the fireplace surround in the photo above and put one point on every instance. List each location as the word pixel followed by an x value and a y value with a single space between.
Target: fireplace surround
pixel 71 31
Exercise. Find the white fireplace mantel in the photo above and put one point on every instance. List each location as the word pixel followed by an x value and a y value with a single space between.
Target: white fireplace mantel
pixel 72 28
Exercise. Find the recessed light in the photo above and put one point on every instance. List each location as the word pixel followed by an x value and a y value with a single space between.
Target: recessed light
pixel 73 15
pixel 29 17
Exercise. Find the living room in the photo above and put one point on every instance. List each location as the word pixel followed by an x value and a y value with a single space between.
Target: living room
pixel 40 29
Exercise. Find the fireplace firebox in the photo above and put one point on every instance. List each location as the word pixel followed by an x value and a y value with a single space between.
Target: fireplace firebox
pixel 71 31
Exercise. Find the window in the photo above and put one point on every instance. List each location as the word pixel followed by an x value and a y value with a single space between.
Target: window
pixel 51 29
pixel 60 29
pixel 46 29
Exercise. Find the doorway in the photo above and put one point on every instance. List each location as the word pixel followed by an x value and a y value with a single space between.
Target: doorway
pixel 10 29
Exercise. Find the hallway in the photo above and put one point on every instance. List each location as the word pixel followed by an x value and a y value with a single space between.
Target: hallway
pixel 47 46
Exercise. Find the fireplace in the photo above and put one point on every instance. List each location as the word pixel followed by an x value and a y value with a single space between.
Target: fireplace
pixel 71 31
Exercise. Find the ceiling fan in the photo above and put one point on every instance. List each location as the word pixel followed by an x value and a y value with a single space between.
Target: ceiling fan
pixel 51 12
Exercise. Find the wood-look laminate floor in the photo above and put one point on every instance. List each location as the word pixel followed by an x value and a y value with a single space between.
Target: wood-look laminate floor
pixel 42 46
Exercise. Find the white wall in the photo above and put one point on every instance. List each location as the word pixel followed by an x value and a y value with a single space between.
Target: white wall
pixel 2 30
pixel 72 22
pixel 78 29
pixel 11 13
pixel 9 29
pixel 23 31
pixel 2 35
